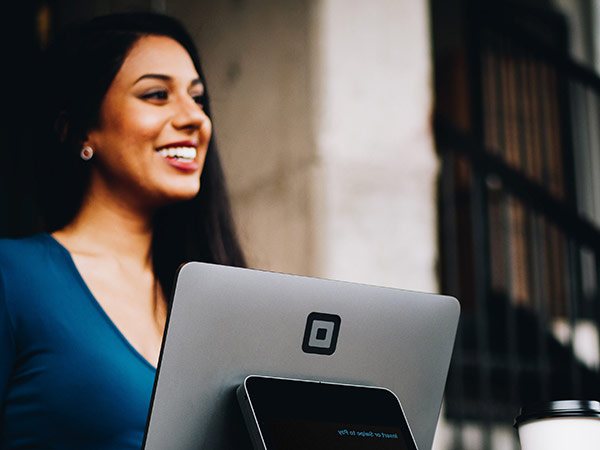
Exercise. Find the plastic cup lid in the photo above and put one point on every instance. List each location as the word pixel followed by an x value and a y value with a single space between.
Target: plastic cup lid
pixel 556 409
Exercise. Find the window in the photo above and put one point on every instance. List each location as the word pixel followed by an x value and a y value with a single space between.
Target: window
pixel 517 133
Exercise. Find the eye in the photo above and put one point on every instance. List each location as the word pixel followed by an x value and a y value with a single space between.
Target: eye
pixel 200 99
pixel 155 95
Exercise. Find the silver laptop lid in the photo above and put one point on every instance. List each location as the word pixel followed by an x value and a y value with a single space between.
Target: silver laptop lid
pixel 226 323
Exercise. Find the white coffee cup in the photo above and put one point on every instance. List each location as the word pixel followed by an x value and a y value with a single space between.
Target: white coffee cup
pixel 560 425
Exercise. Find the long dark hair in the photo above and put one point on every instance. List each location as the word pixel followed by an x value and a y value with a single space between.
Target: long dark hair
pixel 77 71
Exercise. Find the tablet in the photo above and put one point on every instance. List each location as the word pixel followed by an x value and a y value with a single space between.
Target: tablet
pixel 226 323
pixel 289 414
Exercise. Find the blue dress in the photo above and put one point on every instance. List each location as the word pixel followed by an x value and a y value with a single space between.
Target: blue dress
pixel 68 378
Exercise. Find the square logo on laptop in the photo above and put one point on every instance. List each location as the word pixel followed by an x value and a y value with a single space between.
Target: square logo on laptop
pixel 321 333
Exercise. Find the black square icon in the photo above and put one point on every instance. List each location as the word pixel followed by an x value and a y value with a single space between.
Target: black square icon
pixel 321 333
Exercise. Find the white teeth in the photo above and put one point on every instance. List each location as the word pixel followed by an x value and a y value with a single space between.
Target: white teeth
pixel 178 152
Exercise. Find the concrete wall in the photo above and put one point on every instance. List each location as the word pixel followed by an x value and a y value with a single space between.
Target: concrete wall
pixel 258 64
pixel 373 73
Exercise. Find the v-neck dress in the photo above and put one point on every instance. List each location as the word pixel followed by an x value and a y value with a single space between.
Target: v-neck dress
pixel 68 378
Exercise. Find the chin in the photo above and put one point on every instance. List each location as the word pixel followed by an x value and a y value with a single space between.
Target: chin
pixel 174 192
pixel 182 195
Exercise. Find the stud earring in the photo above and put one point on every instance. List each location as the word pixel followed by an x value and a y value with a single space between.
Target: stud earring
pixel 86 153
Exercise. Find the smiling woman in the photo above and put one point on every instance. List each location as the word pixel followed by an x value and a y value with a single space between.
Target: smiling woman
pixel 125 136
pixel 152 114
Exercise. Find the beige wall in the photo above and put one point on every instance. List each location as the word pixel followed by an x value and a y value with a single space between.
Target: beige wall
pixel 258 65
pixel 374 139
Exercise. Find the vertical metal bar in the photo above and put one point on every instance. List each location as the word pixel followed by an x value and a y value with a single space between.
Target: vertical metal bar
pixel 541 255
pixel 521 233
pixel 450 280
pixel 449 231
pixel 597 311
pixel 504 226
pixel 580 145
pixel 581 162
pixel 479 215
pixel 593 152
pixel 574 271
pixel 481 277
pixel 574 295
pixel 537 230
pixel 513 211
pixel 566 128
pixel 589 150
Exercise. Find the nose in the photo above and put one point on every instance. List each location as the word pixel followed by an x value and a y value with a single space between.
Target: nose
pixel 189 114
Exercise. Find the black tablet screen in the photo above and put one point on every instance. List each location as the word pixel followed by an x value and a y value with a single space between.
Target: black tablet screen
pixel 304 415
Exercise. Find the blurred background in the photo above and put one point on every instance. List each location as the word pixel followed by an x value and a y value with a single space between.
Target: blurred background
pixel 444 146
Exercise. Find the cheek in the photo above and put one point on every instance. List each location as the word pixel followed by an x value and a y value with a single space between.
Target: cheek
pixel 130 124
pixel 137 129
pixel 146 126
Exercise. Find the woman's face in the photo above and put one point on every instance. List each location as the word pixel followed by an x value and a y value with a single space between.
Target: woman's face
pixel 152 136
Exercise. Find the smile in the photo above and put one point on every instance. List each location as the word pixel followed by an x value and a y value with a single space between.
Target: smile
pixel 180 156
pixel 185 153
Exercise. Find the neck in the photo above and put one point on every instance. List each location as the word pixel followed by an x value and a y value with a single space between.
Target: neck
pixel 111 228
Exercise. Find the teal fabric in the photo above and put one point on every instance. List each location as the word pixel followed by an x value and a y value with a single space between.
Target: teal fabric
pixel 68 378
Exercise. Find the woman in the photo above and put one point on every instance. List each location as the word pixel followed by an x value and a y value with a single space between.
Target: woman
pixel 82 310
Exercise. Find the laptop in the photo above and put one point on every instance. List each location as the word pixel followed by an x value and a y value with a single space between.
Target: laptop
pixel 226 323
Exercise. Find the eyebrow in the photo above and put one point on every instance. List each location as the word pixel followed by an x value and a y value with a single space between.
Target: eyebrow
pixel 196 82
pixel 155 76
pixel 158 76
